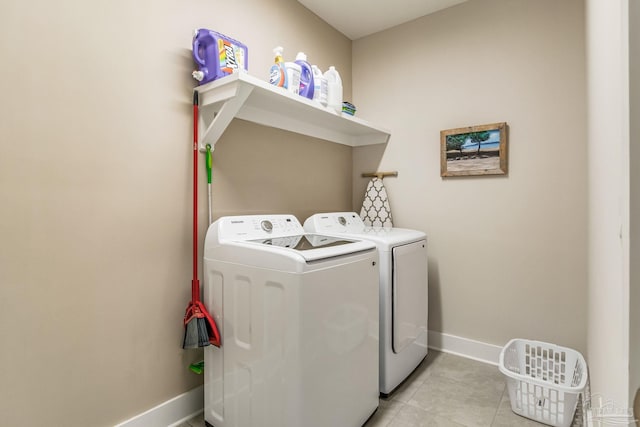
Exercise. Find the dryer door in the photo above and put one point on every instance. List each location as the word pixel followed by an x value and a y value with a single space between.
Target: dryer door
pixel 409 293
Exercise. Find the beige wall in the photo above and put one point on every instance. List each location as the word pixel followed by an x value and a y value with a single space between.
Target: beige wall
pixel 273 171
pixel 95 192
pixel 507 254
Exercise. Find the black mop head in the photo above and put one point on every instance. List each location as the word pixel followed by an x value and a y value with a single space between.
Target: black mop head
pixel 196 333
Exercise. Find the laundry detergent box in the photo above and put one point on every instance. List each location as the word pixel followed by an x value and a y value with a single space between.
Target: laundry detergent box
pixel 217 55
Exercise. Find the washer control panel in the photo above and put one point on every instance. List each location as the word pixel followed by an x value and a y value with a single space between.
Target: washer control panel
pixel 335 222
pixel 250 227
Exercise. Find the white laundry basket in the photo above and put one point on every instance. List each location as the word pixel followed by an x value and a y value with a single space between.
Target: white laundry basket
pixel 544 380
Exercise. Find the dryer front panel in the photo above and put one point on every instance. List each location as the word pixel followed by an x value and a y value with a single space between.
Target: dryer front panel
pixel 409 294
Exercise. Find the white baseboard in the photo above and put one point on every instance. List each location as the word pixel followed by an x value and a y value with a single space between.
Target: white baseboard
pixel 171 413
pixel 465 347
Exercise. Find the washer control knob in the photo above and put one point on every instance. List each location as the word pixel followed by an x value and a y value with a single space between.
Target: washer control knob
pixel 342 220
pixel 267 226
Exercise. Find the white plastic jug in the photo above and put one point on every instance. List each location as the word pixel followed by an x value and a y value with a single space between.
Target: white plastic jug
pixel 320 90
pixel 334 85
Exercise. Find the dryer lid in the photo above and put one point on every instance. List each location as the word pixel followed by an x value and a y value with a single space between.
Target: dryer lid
pixel 349 225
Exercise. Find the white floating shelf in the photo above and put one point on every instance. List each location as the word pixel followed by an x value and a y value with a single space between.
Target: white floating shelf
pixel 243 96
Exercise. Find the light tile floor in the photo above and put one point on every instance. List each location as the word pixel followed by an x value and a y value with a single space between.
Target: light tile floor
pixel 445 390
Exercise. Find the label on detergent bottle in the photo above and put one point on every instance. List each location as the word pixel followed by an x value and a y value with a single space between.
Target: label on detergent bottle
pixel 231 57
pixel 293 76
pixel 277 76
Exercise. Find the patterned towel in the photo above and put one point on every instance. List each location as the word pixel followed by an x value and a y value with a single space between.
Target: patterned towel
pixel 375 210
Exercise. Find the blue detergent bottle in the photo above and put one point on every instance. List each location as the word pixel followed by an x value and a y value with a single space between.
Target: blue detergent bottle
pixel 306 76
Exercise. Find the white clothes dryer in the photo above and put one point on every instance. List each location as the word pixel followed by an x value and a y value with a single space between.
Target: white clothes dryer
pixel 403 290
pixel 298 319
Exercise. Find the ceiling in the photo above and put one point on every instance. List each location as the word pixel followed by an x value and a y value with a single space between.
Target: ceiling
pixel 359 18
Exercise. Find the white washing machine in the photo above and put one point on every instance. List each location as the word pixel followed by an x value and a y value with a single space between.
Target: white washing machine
pixel 403 290
pixel 298 318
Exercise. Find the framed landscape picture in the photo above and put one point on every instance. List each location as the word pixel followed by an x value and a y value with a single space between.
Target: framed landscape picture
pixel 474 150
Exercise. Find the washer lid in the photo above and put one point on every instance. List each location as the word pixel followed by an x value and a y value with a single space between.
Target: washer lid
pixel 313 247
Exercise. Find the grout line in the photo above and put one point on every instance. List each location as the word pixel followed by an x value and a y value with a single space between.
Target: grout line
pixel 407 397
pixel 395 413
pixel 504 390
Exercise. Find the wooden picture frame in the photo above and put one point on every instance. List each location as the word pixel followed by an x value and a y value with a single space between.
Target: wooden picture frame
pixel 474 150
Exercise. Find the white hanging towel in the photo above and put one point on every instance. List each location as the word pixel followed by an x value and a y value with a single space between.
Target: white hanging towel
pixel 376 211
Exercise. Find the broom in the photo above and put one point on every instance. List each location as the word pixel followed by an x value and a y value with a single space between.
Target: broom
pixel 200 328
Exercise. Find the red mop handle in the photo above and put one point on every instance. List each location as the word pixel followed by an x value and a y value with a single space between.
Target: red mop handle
pixel 195 283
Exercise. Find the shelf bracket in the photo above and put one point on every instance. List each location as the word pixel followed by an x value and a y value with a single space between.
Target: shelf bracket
pixel 215 122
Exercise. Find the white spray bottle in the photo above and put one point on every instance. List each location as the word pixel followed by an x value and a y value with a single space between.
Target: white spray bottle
pixel 278 72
